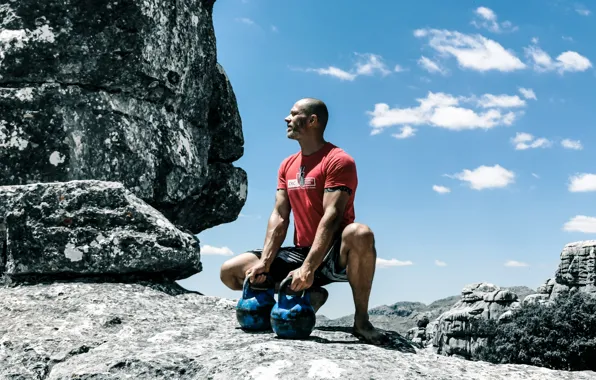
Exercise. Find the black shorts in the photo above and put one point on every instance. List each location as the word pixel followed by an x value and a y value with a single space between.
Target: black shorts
pixel 290 258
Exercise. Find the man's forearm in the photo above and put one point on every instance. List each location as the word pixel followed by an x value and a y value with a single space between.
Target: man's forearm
pixel 277 228
pixel 326 231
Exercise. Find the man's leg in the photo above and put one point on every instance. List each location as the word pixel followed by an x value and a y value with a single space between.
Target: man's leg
pixel 359 254
pixel 233 271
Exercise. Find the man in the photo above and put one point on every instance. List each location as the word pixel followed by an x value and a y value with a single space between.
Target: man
pixel 318 184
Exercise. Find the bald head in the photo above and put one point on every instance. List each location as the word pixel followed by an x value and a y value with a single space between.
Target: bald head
pixel 312 106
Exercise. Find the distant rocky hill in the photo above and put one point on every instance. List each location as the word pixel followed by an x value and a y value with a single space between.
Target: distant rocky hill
pixel 402 316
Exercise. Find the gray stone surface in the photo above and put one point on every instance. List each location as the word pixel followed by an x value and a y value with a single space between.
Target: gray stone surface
pixel 89 228
pixel 576 272
pixel 116 331
pixel 453 333
pixel 578 264
pixel 121 91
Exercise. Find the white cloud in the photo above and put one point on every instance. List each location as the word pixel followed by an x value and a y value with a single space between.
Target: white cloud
pixel 219 251
pixel 582 11
pixel 384 263
pixel 582 183
pixel 441 189
pixel 485 177
pixel 488 19
pixel 473 52
pixel 334 72
pixel 405 132
pixel 431 66
pixel 535 175
pixel 581 223
pixel 527 93
pixel 440 263
pixel 399 69
pixel 500 101
pixel 366 64
pixel 569 61
pixel 572 144
pixel 245 20
pixel 444 111
pixel 523 141
pixel 513 263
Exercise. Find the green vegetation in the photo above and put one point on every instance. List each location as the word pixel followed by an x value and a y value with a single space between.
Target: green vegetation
pixel 561 335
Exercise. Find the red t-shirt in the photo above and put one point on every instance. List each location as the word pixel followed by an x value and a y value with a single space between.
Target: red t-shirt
pixel 305 179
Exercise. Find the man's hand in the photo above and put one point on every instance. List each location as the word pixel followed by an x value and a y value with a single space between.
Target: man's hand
pixel 257 273
pixel 302 278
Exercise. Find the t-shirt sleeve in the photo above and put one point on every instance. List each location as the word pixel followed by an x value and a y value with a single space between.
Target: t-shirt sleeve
pixel 281 176
pixel 341 172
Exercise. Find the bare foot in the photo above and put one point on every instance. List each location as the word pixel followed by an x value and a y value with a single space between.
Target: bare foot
pixel 318 297
pixel 367 333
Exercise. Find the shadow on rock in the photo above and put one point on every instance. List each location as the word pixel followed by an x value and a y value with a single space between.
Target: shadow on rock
pixel 396 341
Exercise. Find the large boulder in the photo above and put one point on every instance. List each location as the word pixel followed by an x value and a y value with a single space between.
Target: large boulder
pixel 453 331
pixel 89 229
pixel 125 91
pixel 577 268
pixel 115 331
pixel 576 272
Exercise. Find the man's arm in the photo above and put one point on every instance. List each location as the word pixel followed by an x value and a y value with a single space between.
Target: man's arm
pixel 277 227
pixel 334 205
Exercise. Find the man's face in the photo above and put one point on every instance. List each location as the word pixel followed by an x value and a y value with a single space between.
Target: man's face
pixel 297 122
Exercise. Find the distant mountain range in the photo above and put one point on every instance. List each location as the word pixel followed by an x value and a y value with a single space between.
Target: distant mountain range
pixel 402 316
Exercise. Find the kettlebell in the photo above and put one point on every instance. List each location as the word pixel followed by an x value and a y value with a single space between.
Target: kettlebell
pixel 292 317
pixel 253 310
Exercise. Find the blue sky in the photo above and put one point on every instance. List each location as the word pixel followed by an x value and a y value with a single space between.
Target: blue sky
pixel 472 125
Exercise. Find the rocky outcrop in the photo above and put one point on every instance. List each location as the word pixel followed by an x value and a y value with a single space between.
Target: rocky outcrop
pixel 121 91
pixel 577 268
pixel 89 229
pixel 419 334
pixel 117 331
pixel 453 331
pixel 576 272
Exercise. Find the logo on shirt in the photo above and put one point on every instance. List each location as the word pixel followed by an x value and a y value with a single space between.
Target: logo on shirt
pixel 301 181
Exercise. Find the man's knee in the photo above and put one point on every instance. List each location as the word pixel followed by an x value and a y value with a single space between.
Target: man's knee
pixel 359 236
pixel 227 274
pixel 232 271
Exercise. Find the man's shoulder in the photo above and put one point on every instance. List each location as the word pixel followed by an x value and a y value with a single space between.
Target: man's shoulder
pixel 339 154
pixel 289 159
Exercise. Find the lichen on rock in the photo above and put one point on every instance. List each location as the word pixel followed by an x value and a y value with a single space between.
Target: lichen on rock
pixel 121 91
pixel 90 229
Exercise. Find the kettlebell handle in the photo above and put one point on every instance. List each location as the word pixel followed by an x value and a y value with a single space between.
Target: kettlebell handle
pixel 247 285
pixel 284 284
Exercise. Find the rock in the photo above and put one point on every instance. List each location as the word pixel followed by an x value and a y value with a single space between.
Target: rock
pixel 90 228
pixel 129 92
pixel 576 272
pixel 536 299
pixel 423 322
pixel 115 331
pixel 453 332
pixel 578 264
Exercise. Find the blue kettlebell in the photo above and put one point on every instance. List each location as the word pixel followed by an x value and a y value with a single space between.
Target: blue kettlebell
pixel 292 317
pixel 253 310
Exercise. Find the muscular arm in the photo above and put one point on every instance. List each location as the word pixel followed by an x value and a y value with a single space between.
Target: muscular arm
pixel 334 204
pixel 277 228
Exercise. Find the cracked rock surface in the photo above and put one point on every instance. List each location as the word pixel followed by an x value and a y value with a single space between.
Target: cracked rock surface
pixel 89 229
pixel 122 91
pixel 452 331
pixel 129 331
